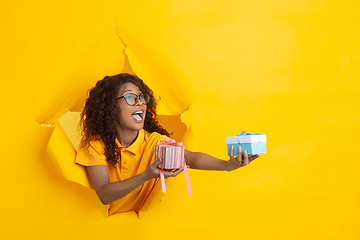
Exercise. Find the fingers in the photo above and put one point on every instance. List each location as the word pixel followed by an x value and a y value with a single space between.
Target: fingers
pixel 231 152
pixel 157 162
pixel 174 173
pixel 239 157
pixel 253 157
pixel 246 158
pixel 242 158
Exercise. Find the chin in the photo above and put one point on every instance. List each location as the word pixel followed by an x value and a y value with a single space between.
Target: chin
pixel 138 127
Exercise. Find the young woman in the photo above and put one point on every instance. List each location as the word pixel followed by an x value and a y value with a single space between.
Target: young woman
pixel 120 131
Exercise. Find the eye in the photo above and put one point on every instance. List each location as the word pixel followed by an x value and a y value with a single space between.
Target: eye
pixel 144 97
pixel 141 96
pixel 129 98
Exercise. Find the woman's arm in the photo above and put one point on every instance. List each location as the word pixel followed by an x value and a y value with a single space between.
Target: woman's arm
pixel 204 161
pixel 110 192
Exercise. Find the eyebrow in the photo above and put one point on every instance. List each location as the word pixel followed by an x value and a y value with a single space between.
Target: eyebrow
pixel 129 91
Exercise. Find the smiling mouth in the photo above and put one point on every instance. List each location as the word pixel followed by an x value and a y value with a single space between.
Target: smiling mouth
pixel 138 115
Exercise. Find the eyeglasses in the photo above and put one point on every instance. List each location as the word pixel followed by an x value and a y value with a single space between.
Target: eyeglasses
pixel 131 98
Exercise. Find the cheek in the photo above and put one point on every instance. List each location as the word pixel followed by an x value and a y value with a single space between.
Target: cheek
pixel 147 114
pixel 122 111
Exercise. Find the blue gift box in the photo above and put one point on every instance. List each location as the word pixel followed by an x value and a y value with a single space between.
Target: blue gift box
pixel 253 143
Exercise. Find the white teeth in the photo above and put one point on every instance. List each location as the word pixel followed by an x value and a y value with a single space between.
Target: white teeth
pixel 138 112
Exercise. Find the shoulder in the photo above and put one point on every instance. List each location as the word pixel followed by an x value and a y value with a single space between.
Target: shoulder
pixel 154 137
pixel 95 146
pixel 91 153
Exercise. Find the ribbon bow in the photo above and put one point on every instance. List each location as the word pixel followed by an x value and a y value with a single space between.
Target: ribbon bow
pixel 171 142
pixel 162 178
pixel 244 133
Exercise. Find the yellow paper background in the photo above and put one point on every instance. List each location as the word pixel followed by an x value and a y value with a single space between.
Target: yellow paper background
pixel 289 69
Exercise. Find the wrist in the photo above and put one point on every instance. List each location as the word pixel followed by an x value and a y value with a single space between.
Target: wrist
pixel 229 166
pixel 226 166
pixel 145 176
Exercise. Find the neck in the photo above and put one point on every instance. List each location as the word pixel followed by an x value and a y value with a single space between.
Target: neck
pixel 126 137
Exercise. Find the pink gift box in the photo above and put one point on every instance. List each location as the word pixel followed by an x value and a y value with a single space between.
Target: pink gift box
pixel 172 156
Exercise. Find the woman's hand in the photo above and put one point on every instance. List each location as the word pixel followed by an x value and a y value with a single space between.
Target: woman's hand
pixel 240 161
pixel 153 171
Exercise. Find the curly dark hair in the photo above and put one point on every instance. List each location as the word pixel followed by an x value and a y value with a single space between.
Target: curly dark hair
pixel 101 112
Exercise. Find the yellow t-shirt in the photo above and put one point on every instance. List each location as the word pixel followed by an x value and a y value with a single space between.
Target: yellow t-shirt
pixel 134 160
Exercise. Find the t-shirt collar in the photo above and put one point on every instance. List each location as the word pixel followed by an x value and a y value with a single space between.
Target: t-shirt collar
pixel 135 147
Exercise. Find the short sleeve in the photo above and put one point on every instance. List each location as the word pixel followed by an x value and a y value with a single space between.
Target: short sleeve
pixel 92 154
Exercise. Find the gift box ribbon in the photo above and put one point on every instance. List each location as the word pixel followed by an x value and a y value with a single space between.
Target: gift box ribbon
pixel 244 133
pixel 162 178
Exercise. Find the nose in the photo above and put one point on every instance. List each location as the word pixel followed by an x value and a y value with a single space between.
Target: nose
pixel 138 102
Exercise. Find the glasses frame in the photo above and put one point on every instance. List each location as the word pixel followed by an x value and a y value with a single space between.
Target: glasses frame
pixel 137 97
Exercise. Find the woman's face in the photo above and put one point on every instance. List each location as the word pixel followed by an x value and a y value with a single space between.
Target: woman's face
pixel 130 117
